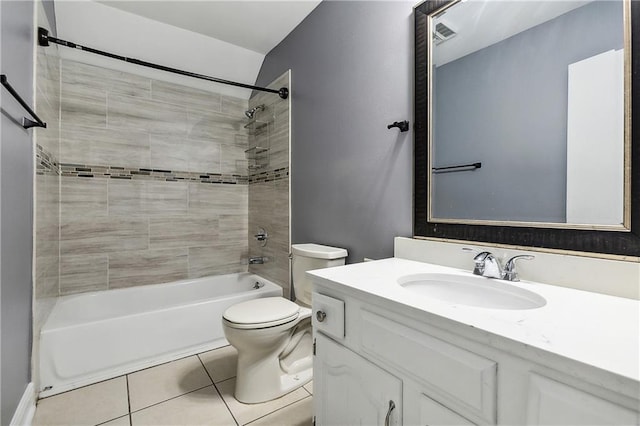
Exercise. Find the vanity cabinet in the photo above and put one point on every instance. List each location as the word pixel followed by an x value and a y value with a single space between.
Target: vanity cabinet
pixel 437 376
pixel 352 390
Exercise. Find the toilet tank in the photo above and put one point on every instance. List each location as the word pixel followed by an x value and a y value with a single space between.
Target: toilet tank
pixel 306 257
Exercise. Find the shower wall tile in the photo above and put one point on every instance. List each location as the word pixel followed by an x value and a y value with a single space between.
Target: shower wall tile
pixel 83 197
pixel 206 125
pixel 95 235
pixel 234 106
pixel 125 112
pixel 147 267
pixel 222 199
pixel 185 96
pixel 233 229
pixel 83 273
pixel 181 231
pixel 100 146
pixel 216 260
pixel 233 159
pixel 130 213
pixel 92 77
pixel 83 106
pixel 147 198
pixel 269 189
pixel 178 153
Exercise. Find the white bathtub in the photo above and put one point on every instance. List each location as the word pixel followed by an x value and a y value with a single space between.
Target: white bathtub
pixel 96 336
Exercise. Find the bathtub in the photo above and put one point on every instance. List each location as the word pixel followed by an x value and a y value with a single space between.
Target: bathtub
pixel 95 336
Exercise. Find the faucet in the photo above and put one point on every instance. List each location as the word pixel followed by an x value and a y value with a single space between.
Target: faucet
pixel 258 260
pixel 487 265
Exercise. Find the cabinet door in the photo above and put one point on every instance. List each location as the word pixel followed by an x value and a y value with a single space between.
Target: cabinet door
pixel 349 390
pixel 555 403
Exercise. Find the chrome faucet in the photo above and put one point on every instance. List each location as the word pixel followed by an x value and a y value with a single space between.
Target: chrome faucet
pixel 487 265
pixel 509 272
pixel 258 260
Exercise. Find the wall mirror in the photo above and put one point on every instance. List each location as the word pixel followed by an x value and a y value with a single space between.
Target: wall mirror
pixel 523 123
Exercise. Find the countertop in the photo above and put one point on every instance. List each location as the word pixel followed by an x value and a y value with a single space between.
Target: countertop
pixel 595 329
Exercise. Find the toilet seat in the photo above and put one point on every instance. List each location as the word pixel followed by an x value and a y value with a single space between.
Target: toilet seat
pixel 261 313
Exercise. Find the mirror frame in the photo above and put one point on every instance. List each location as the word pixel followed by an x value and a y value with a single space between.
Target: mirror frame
pixel 546 236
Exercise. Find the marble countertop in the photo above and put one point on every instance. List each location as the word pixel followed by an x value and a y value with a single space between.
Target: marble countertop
pixel 595 329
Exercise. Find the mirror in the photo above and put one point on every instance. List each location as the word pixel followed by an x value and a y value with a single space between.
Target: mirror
pixel 523 123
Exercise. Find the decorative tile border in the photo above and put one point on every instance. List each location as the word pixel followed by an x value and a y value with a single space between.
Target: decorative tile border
pixel 115 172
pixel 45 162
pixel 269 175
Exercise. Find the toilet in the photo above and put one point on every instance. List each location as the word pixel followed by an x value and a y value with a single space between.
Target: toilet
pixel 273 335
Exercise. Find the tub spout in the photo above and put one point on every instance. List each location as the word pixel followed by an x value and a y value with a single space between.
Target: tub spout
pixel 258 260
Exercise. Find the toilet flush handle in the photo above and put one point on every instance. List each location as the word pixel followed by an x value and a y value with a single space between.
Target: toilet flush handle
pixel 320 316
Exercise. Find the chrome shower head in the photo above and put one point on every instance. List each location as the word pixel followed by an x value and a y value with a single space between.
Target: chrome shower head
pixel 250 113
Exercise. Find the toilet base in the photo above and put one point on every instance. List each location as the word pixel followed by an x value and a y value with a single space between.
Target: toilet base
pixel 272 361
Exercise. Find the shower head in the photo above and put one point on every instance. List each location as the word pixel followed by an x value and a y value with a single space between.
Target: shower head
pixel 251 112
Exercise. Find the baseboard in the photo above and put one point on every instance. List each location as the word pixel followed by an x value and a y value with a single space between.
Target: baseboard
pixel 26 408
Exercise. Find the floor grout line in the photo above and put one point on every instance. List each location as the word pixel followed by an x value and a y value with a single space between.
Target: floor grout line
pixel 218 391
pixel 129 400
pixel 169 399
pixel 273 412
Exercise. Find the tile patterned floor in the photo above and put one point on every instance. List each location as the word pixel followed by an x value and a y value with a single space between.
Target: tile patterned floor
pixel 197 390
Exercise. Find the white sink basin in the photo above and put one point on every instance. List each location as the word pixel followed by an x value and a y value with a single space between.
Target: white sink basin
pixel 472 290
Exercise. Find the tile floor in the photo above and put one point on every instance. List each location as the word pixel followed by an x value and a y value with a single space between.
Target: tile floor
pixel 197 390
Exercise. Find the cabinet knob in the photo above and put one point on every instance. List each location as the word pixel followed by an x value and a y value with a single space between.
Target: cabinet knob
pixel 392 405
pixel 320 316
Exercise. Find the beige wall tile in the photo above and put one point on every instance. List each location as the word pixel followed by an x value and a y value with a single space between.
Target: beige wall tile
pixel 146 198
pixel 217 260
pixel 211 125
pixel 83 106
pixel 103 147
pixel 217 199
pixel 185 96
pixel 173 152
pixel 83 197
pixel 125 112
pixel 233 159
pixel 182 231
pixel 234 106
pixel 232 229
pixel 83 273
pixel 92 77
pixel 128 269
pixel 94 235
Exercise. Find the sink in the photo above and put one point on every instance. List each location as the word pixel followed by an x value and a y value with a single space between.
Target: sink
pixel 472 290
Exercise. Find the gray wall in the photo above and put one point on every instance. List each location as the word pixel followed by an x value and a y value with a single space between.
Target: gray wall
pixel 480 117
pixel 352 74
pixel 16 179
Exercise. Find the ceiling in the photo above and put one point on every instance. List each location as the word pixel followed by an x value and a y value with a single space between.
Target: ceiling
pixel 475 23
pixel 255 25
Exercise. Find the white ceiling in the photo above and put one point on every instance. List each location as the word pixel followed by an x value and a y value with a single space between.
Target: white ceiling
pixel 255 25
pixel 481 23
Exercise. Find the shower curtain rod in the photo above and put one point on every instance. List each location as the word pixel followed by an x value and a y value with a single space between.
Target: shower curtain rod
pixel 44 39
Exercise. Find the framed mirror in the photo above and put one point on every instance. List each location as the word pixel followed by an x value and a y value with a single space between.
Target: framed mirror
pixel 523 124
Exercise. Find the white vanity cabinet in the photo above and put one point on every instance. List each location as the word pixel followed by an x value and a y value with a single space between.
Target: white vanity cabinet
pixel 451 375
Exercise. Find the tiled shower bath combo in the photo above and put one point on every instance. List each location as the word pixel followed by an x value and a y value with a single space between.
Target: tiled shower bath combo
pixel 142 182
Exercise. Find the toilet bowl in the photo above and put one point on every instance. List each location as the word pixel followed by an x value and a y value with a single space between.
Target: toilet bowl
pixel 273 335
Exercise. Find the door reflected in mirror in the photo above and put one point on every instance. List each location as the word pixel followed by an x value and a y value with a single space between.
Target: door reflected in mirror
pixel 529 98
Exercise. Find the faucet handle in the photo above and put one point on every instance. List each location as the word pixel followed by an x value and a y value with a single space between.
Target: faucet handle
pixel 510 273
pixel 478 259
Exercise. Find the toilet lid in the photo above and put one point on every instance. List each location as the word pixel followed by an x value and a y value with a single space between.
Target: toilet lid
pixel 267 311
